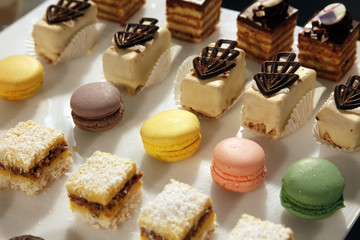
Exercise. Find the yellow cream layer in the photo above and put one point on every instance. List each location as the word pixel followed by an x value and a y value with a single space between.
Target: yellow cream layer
pixel 274 112
pixel 339 127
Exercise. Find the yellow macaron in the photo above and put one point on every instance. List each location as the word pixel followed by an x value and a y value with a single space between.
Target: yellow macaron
pixel 171 135
pixel 20 77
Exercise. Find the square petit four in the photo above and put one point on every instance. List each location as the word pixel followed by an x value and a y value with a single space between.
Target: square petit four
pixel 118 10
pixel 104 190
pixel 31 155
pixel 252 228
pixel 130 60
pixel 265 28
pixel 62 21
pixel 338 120
pixel 192 20
pixel 269 101
pixel 327 42
pixel 216 79
pixel 178 212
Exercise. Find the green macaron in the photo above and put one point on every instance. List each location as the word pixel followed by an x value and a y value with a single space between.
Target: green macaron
pixel 312 188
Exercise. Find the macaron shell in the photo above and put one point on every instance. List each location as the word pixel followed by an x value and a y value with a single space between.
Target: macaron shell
pixel 20 77
pixel 95 100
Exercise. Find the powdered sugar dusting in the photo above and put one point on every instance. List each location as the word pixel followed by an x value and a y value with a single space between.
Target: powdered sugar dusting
pixel 101 177
pixel 251 228
pixel 174 211
pixel 27 144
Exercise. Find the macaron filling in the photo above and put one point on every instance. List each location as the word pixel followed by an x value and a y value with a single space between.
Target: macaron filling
pixel 307 211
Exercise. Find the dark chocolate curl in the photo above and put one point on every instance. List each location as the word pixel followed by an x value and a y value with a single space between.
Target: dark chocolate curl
pixel 64 11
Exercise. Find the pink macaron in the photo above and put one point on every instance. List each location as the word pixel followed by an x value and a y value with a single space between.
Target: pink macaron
pixel 238 165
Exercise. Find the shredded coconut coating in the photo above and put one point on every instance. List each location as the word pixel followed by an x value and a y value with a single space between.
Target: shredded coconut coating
pixel 174 211
pixel 28 144
pixel 101 177
pixel 251 228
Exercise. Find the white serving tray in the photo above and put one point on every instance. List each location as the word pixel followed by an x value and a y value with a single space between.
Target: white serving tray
pixel 47 214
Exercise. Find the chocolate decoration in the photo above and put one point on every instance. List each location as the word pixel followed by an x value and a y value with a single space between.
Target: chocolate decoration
pixel 65 11
pixel 211 64
pixel 271 16
pixel 136 33
pixel 348 96
pixel 277 74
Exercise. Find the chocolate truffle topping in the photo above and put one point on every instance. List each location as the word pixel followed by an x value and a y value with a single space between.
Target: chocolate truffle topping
pixel 66 10
pixel 216 60
pixel 136 33
pixel 270 12
pixel 277 74
pixel 348 96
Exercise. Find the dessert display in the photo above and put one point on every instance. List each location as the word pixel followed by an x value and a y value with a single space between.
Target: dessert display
pixel 172 135
pixel 192 20
pixel 312 188
pixel 104 190
pixel 265 28
pixel 130 60
pixel 252 228
pixel 20 77
pixel 215 80
pixel 238 165
pixel 96 106
pixel 274 93
pixel 61 22
pixel 178 212
pixel 327 42
pixel 338 121
pixel 31 156
pixel 118 10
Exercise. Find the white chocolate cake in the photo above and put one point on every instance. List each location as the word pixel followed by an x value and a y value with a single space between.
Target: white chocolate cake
pixel 55 30
pixel 192 20
pixel 338 120
pixel 129 64
pixel 178 212
pixel 269 102
pixel 208 90
pixel 104 189
pixel 30 156
pixel 252 228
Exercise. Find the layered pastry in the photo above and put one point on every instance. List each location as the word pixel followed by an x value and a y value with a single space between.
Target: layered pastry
pixel 104 190
pixel 274 93
pixel 216 79
pixel 118 10
pixel 130 60
pixel 265 28
pixel 338 121
pixel 192 20
pixel 31 155
pixel 327 42
pixel 61 22
pixel 178 212
pixel 251 228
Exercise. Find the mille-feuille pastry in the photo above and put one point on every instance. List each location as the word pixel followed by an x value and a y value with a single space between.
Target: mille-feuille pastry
pixel 62 21
pixel 192 20
pixel 327 42
pixel 338 121
pixel 130 60
pixel 118 10
pixel 216 79
pixel 31 155
pixel 179 212
pixel 251 228
pixel 265 28
pixel 274 93
pixel 104 190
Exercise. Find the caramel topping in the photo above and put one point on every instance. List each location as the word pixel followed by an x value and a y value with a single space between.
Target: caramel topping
pixel 216 60
pixel 66 10
pixel 136 33
pixel 277 74
pixel 348 96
